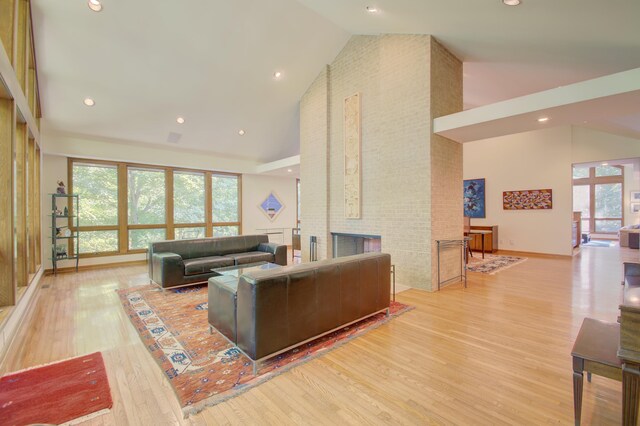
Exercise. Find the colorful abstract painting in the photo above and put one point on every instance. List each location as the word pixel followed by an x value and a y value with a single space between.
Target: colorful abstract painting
pixel 271 206
pixel 474 198
pixel 533 199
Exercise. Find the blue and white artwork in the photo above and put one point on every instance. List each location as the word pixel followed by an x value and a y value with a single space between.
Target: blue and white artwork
pixel 271 206
pixel 474 200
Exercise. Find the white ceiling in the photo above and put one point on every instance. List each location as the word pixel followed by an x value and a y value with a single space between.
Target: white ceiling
pixel 212 61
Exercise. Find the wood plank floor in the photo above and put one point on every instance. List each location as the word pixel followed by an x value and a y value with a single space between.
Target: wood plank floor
pixel 495 353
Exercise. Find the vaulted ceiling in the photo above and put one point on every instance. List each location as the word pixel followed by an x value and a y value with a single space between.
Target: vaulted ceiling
pixel 213 62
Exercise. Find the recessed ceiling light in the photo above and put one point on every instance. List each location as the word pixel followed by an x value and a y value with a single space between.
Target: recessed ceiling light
pixel 511 2
pixel 95 5
pixel 241 132
pixel 180 120
pixel 605 164
pixel 543 119
pixel 289 170
pixel 372 9
pixel 89 102
pixel 277 75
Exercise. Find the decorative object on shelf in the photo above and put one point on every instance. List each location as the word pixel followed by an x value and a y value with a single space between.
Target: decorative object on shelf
pixel 473 191
pixel 635 207
pixel 272 206
pixel 61 251
pixel 635 196
pixel 66 211
pixel 352 156
pixel 61 189
pixel 533 199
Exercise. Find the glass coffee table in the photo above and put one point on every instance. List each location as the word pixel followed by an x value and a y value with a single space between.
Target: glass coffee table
pixel 237 270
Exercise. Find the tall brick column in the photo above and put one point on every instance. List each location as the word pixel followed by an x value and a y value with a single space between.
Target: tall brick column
pixel 411 179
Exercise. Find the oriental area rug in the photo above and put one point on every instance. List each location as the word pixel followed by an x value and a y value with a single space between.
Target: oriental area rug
pixel 204 369
pixel 492 263
pixel 65 392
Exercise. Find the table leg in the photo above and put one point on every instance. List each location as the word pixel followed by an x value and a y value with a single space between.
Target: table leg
pixel 630 388
pixel 578 368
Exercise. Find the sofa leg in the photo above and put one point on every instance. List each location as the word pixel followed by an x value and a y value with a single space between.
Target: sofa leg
pixel 255 367
pixel 387 313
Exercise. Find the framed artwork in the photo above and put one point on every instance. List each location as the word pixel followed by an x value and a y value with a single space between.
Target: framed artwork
pixel 473 191
pixel 635 207
pixel 352 157
pixel 532 199
pixel 272 206
pixel 635 196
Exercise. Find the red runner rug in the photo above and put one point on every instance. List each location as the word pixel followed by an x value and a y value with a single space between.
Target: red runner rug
pixel 203 368
pixel 55 393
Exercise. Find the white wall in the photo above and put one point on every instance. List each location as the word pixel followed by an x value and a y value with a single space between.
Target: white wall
pixel 631 183
pixel 135 152
pixel 530 160
pixel 255 188
pixel 538 160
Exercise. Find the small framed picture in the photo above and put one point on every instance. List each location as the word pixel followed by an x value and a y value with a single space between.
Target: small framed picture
pixel 635 196
pixel 635 207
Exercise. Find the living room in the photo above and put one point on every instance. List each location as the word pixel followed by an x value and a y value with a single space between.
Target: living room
pixel 212 122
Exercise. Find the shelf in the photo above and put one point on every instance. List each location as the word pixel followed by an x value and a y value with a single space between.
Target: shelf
pixel 64 258
pixel 63 217
pixel 64 195
pixel 65 238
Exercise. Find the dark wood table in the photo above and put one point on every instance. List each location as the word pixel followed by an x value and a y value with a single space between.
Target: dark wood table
pixel 594 351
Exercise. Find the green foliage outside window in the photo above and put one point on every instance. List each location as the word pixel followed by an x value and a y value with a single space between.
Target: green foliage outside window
pixel 188 198
pixel 225 198
pixel 97 187
pixel 146 197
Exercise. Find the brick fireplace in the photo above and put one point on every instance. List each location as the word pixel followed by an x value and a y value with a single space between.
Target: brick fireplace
pixel 350 244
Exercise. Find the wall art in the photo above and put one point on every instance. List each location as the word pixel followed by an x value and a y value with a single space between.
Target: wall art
pixel 532 199
pixel 474 198
pixel 272 206
pixel 352 157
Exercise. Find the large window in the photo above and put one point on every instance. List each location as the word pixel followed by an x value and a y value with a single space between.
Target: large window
pixel 225 193
pixel 597 193
pixel 123 206
pixel 97 186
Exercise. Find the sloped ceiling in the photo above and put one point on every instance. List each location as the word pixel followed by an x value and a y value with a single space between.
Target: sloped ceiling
pixel 146 63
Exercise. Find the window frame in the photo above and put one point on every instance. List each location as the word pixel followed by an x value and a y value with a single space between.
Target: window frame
pixel 592 181
pixel 123 227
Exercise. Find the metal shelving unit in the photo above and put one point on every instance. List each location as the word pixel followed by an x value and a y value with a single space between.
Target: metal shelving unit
pixel 72 240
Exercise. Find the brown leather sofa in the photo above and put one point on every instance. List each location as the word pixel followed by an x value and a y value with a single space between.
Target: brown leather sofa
pixel 178 263
pixel 267 312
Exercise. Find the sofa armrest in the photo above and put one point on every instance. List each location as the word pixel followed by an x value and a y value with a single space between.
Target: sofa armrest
pixel 167 268
pixel 279 252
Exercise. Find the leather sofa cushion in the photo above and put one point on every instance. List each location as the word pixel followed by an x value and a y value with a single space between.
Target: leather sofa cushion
pixel 205 264
pixel 251 257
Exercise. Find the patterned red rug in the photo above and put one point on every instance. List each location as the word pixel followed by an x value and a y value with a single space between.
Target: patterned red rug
pixel 203 368
pixel 75 389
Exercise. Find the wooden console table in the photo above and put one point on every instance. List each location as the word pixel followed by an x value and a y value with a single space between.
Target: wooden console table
pixel 491 244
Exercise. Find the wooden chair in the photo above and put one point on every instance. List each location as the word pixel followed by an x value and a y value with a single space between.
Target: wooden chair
pixel 466 224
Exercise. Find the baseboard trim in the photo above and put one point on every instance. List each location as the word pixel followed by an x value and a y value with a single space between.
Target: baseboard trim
pixel 532 253
pixel 96 266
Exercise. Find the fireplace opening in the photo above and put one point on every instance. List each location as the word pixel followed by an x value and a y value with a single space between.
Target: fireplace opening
pixel 350 244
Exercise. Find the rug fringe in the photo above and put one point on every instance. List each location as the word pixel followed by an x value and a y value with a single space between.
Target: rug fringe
pixel 217 399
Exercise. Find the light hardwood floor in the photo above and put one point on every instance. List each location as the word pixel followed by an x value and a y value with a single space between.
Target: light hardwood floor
pixel 497 352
